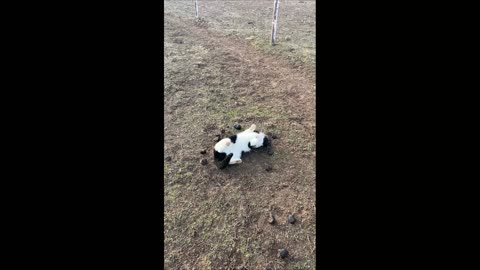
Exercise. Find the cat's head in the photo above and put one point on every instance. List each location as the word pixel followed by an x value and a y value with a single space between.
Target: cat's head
pixel 260 140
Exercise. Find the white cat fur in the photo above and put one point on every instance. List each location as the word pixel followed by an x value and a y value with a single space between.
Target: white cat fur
pixel 241 144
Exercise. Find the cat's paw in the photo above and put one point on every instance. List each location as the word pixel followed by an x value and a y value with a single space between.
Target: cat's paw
pixel 235 161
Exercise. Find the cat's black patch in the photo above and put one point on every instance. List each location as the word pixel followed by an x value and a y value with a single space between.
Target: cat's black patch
pixel 265 141
pixel 249 146
pixel 256 131
pixel 219 156
pixel 233 138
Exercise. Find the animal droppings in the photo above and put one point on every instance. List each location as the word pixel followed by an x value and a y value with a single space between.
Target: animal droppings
pixel 283 253
pixel 291 219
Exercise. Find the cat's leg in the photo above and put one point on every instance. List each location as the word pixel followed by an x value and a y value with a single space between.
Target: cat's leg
pixel 236 159
pixel 224 163
pixel 252 128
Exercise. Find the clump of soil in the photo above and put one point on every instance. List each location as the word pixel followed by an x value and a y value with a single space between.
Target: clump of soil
pixel 271 220
pixel 283 253
pixel 268 168
pixel 291 219
pixel 178 41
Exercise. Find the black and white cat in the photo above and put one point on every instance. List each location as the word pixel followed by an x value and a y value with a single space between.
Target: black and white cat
pixel 229 150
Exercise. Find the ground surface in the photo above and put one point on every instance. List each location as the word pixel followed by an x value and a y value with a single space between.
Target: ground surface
pixel 220 70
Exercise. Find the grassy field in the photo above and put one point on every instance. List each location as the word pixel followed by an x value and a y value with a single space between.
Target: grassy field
pixel 220 70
